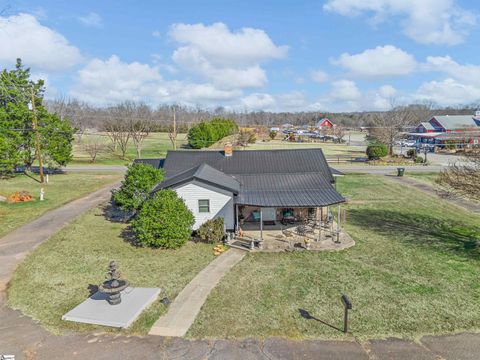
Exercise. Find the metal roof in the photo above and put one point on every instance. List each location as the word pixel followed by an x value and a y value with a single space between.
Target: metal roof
pixel 453 122
pixel 269 178
pixel 203 173
pixel 427 125
pixel 251 162
pixel 294 190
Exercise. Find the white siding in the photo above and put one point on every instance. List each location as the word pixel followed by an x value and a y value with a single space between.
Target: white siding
pixel 221 202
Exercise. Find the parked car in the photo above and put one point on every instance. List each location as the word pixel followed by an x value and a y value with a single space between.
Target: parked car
pixel 409 143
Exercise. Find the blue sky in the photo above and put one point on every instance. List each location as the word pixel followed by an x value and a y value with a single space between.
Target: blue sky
pixel 283 55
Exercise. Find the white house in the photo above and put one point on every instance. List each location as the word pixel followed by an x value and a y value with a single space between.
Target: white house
pixel 261 187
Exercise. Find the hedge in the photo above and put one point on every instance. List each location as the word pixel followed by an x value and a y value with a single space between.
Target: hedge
pixel 207 133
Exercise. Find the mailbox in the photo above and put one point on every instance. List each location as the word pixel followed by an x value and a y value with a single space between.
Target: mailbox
pixel 346 302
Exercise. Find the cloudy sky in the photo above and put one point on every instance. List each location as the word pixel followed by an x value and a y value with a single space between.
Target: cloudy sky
pixel 277 55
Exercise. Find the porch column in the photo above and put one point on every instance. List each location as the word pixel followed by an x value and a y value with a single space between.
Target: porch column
pixel 261 224
pixel 236 218
pixel 319 224
pixel 338 224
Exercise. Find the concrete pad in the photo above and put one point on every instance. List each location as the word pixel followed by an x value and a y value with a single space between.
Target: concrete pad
pixel 96 309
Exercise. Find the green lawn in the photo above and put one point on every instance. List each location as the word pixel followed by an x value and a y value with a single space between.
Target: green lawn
pixel 61 189
pixel 413 271
pixel 428 178
pixel 155 146
pixel 55 277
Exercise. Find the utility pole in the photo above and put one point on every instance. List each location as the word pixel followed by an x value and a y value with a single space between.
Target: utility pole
pixel 37 138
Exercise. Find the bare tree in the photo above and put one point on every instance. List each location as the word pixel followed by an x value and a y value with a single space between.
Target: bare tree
pixel 463 178
pixel 391 125
pixel 94 146
pixel 140 125
pixel 339 132
pixel 118 127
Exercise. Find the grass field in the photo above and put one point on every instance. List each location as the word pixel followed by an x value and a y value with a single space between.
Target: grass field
pixel 55 277
pixel 157 144
pixel 413 271
pixel 428 178
pixel 61 189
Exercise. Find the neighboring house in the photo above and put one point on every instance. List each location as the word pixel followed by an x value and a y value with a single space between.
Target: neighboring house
pixel 323 123
pixel 265 187
pixel 453 130
pixel 425 127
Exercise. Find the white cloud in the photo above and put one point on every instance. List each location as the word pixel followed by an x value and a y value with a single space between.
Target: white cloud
pixel 319 76
pixel 425 21
pixel 156 34
pixel 226 48
pixel 467 73
pixel 91 20
pixel 291 101
pixel 39 47
pixel 345 90
pixel 448 92
pixel 387 91
pixel 258 101
pixel 382 61
pixel 229 60
pixel 224 77
pixel 112 80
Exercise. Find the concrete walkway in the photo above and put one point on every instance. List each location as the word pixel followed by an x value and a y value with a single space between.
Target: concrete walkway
pixel 186 306
pixel 431 190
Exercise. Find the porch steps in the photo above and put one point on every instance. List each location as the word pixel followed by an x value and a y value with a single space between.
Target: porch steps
pixel 241 244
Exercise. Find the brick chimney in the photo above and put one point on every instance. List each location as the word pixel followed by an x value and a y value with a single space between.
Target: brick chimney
pixel 228 149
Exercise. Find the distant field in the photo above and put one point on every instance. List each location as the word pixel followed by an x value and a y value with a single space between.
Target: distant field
pixel 157 145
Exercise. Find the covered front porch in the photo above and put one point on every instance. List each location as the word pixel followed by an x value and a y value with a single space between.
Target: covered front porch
pixel 291 228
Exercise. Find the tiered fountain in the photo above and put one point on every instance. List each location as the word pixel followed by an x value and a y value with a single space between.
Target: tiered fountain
pixel 113 285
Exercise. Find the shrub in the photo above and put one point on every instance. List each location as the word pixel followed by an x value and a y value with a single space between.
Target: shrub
pixel 137 185
pixel 377 151
pixel 164 221
pixel 411 153
pixel 206 133
pixel 272 134
pixel 419 160
pixel 212 230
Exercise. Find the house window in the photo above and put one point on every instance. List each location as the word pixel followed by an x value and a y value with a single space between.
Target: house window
pixel 203 206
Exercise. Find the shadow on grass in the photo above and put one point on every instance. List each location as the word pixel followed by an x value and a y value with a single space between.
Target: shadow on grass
pixel 421 230
pixel 306 315
pixel 115 214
